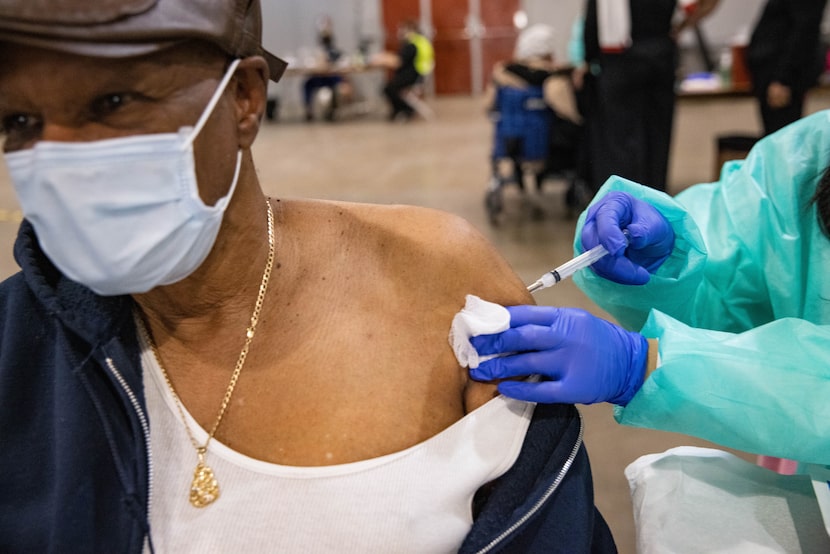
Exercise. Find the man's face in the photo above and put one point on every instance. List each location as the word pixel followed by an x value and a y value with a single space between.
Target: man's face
pixel 54 96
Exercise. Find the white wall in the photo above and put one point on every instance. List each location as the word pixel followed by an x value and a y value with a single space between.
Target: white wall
pixel 558 14
pixel 289 26
pixel 732 19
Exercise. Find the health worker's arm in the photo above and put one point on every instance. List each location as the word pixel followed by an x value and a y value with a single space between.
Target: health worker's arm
pixel 749 258
pixel 763 391
pixel 747 249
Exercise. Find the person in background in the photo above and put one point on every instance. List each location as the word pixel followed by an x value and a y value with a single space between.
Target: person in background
pixel 727 285
pixel 534 64
pixel 785 57
pixel 546 143
pixel 336 85
pixel 414 60
pixel 190 365
pixel 633 45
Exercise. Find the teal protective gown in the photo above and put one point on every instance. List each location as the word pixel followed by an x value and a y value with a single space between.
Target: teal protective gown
pixel 741 308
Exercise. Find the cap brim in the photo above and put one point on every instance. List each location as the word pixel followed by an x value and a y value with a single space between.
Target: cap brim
pixel 92 49
pixel 276 66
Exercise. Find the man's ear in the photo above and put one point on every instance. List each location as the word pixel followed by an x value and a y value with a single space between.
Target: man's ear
pixel 251 95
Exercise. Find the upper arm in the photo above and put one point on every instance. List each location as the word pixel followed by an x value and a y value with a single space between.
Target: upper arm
pixel 505 78
pixel 468 263
pixel 486 274
pixel 433 260
pixel 462 262
pixel 559 95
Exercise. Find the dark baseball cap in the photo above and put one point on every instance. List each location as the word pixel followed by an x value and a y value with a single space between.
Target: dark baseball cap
pixel 124 28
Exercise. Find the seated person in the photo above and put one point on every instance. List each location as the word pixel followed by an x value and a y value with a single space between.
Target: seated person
pixel 338 87
pixel 533 67
pixel 187 364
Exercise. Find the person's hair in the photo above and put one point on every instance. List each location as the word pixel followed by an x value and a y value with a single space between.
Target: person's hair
pixel 822 201
pixel 410 25
pixel 537 41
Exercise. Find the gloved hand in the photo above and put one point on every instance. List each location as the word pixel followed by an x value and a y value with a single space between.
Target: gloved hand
pixel 582 359
pixel 650 238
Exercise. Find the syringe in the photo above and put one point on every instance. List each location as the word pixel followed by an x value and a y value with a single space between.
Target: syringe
pixel 569 268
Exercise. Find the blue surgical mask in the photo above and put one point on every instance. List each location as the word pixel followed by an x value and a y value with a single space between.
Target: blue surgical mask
pixel 121 215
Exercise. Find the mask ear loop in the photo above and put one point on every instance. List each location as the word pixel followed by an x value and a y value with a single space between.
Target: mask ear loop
pixel 223 202
pixel 213 101
pixel 227 198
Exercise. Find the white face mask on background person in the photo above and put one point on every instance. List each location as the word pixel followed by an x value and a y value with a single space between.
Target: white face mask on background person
pixel 121 215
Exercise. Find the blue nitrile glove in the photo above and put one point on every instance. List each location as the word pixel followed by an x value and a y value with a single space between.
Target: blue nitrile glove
pixel 650 238
pixel 582 359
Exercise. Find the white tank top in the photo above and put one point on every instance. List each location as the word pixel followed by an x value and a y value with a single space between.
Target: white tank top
pixel 416 500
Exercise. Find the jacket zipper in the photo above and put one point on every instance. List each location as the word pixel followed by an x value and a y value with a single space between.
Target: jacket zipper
pixel 145 428
pixel 548 493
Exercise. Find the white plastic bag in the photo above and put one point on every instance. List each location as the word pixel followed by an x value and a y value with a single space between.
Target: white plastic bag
pixel 697 500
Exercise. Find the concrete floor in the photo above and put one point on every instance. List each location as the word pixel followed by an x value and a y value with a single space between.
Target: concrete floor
pixel 443 164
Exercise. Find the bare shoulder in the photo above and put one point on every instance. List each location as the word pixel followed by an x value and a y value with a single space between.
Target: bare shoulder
pixel 439 259
pixel 434 255
pixel 446 252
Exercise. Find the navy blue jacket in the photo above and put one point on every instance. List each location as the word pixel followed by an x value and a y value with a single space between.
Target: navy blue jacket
pixel 74 470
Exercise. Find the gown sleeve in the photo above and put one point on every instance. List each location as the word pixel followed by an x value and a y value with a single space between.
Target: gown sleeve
pixel 741 306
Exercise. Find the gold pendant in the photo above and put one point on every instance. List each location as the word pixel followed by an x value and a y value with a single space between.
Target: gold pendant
pixel 204 489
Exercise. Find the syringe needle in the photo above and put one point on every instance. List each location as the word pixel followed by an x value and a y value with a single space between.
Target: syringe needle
pixel 535 286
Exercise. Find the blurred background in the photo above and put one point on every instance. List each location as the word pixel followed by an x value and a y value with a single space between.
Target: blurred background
pixel 468 35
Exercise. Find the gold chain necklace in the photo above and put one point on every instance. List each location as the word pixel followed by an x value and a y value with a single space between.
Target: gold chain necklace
pixel 204 489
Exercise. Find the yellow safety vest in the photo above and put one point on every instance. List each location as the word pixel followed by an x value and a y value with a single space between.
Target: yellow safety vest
pixel 425 55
